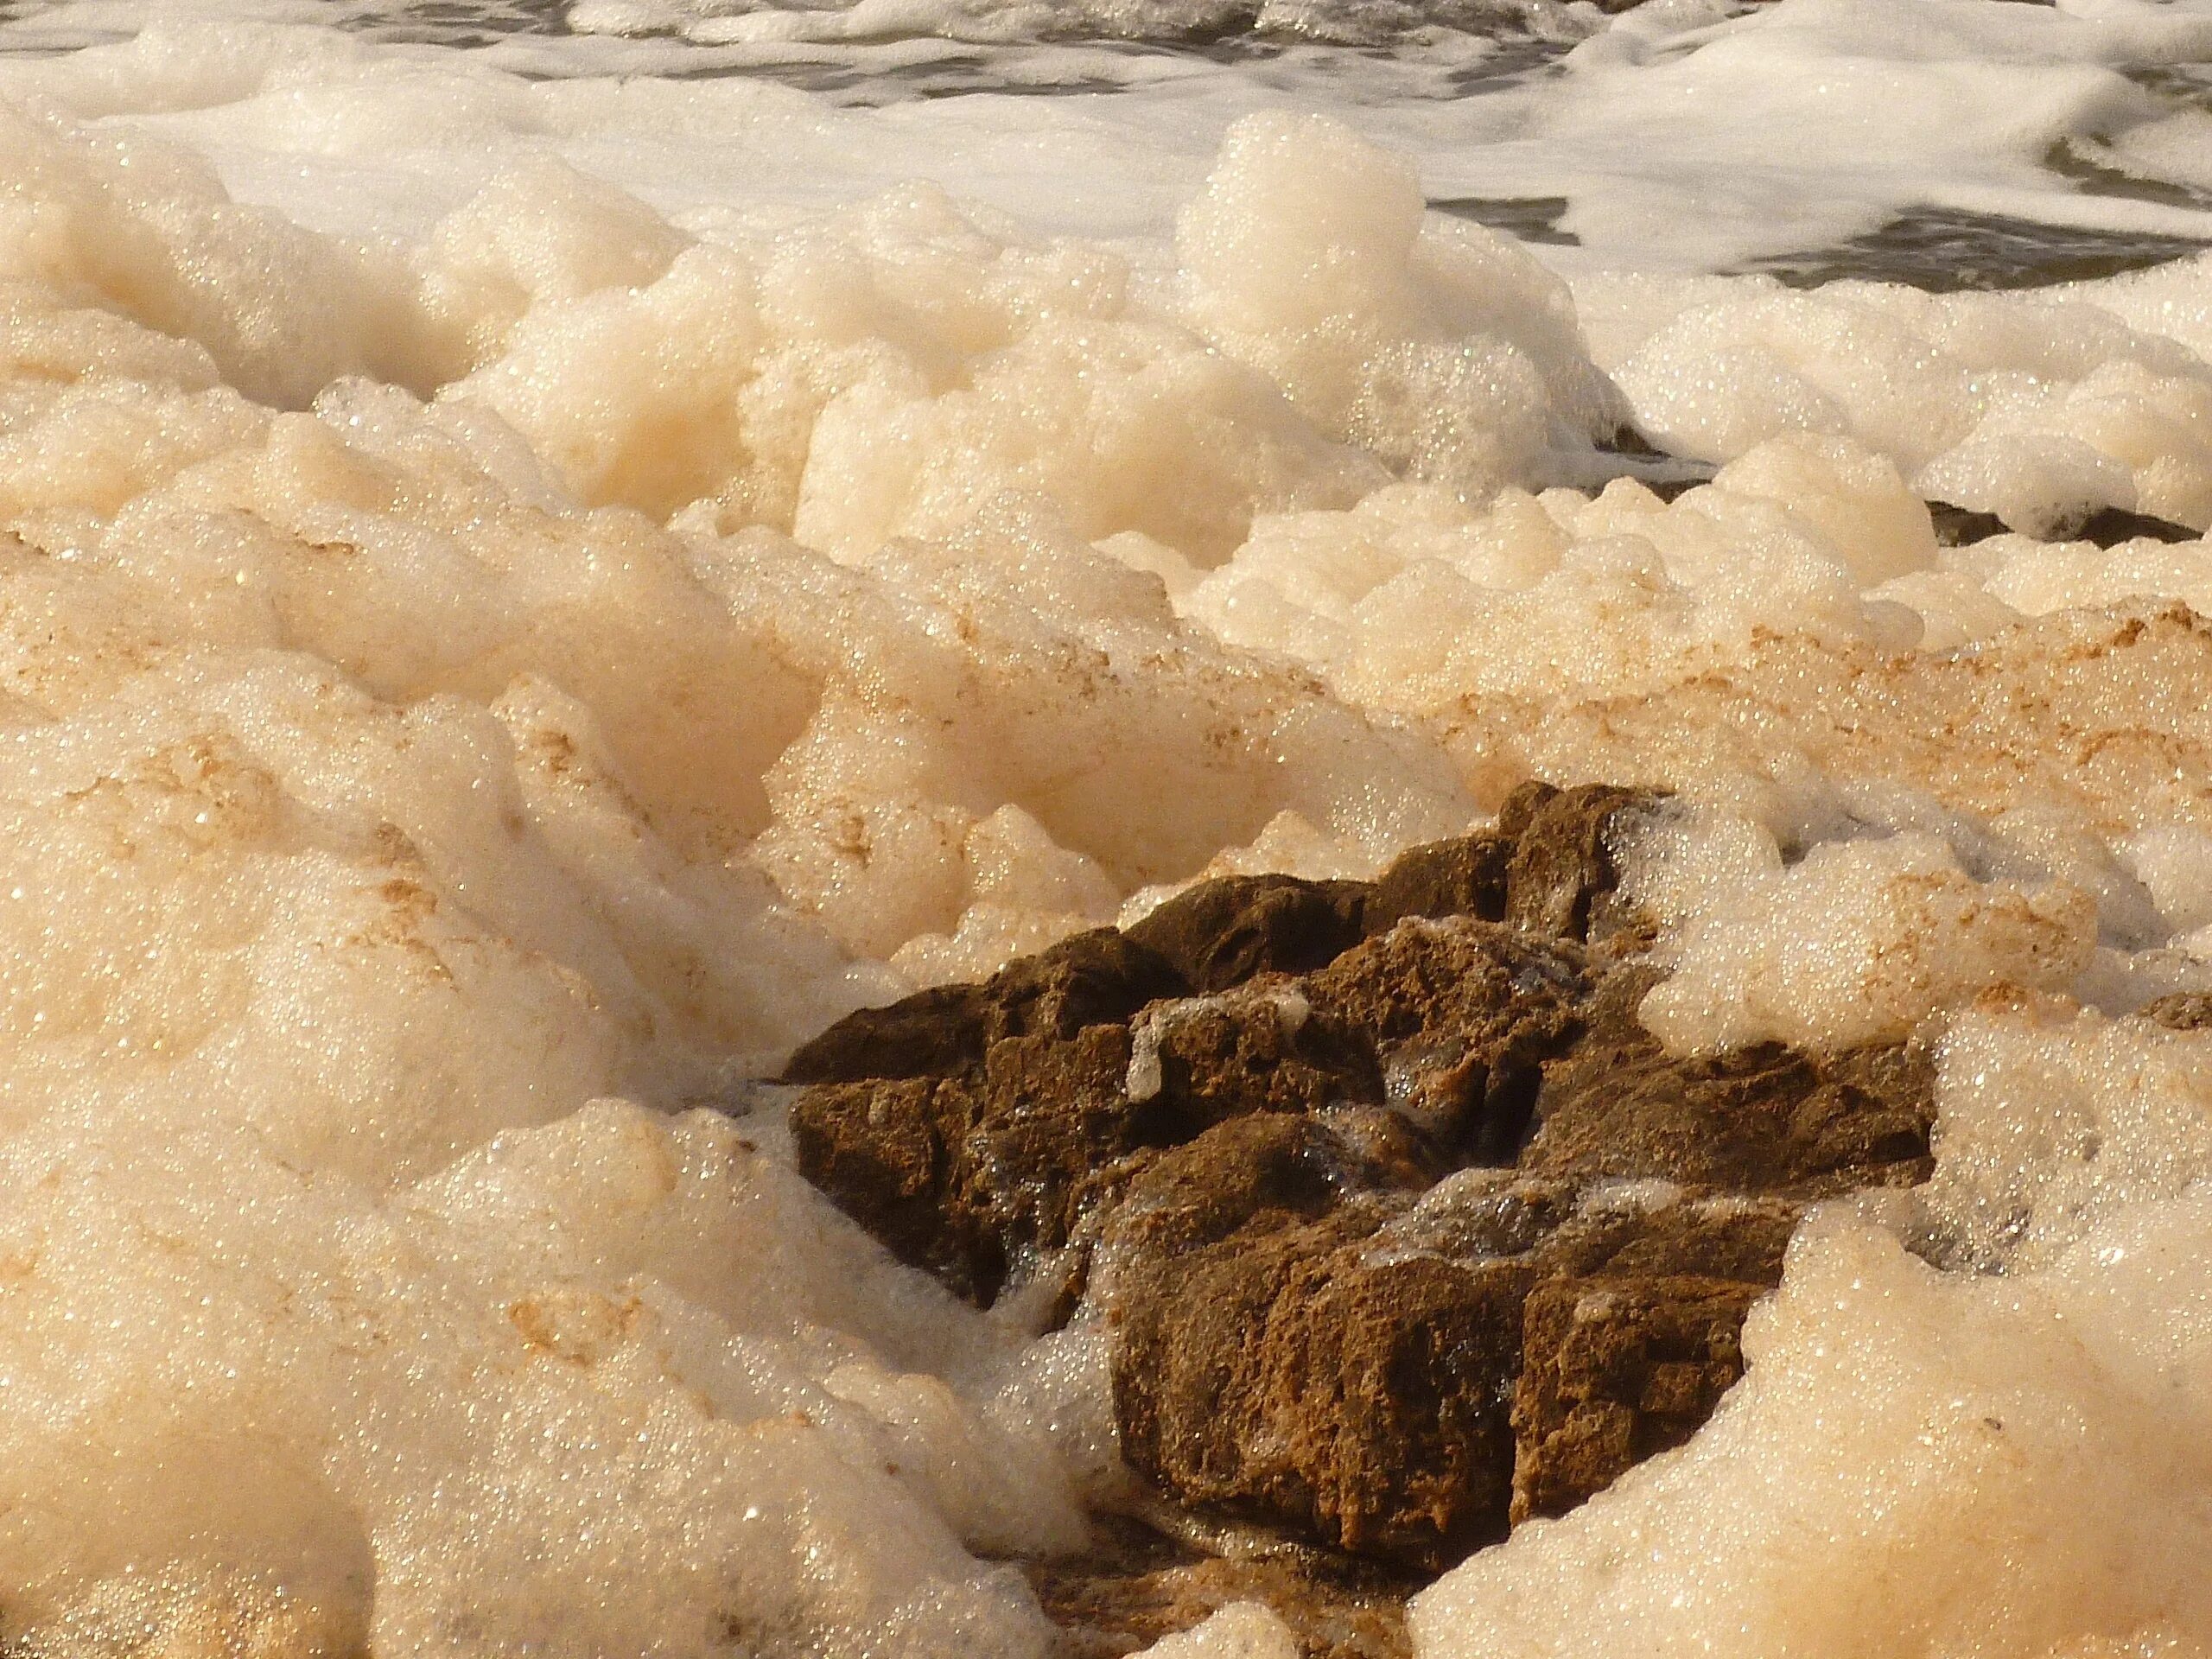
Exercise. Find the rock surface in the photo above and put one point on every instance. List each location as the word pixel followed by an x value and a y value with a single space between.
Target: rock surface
pixel 960 1125
pixel 2182 1011
pixel 1766 1118
pixel 1403 1229
pixel 1137 1586
pixel 1614 1370
pixel 1221 933
pixel 1561 877
pixel 1460 1015
pixel 1464 877
pixel 1100 977
pixel 1269 1366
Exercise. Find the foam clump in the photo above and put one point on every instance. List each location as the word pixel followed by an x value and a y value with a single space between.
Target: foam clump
pixel 359 1374
pixel 1860 942
pixel 2037 409
pixel 1413 601
pixel 2056 1122
pixel 1440 348
pixel 892 374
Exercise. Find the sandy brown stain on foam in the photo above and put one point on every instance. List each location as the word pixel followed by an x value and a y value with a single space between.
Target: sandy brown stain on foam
pixel 2081 708
pixel 557 756
pixel 403 925
pixel 198 793
pixel 393 847
pixel 577 1327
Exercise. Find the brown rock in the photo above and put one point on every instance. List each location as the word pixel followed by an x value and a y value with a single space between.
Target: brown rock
pixel 1462 1014
pixel 885 1152
pixel 1528 798
pixel 1258 1048
pixel 1614 1372
pixel 1135 1586
pixel 972 1177
pixel 1465 877
pixel 1386 1390
pixel 933 1033
pixel 1630 1337
pixel 1055 1113
pixel 2183 1011
pixel 1958 526
pixel 1562 865
pixel 1097 978
pixel 1307 1341
pixel 1635 1233
pixel 1405 1228
pixel 1764 1119
pixel 2107 527
pixel 1100 977
pixel 1267 1369
pixel 1257 1174
pixel 1221 933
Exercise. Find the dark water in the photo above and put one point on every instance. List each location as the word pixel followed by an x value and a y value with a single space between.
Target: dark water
pixel 1936 250
pixel 1530 218
pixel 1944 252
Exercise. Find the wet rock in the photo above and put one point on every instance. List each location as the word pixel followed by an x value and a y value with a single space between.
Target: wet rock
pixel 1097 978
pixel 2183 1011
pixel 1258 1048
pixel 1306 1341
pixel 1465 877
pixel 1056 1115
pixel 1100 977
pixel 1385 1402
pixel 933 1033
pixel 1221 933
pixel 1266 1369
pixel 1631 1335
pixel 1462 1014
pixel 1614 1372
pixel 2109 526
pixel 1649 1229
pixel 961 1125
pixel 1402 1226
pixel 1327 1344
pixel 1447 1022
pixel 1137 1586
pixel 1528 798
pixel 971 1176
pixel 1260 1174
pixel 1962 526
pixel 1472 1215
pixel 1561 873
pixel 1764 1119
pixel 884 1152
